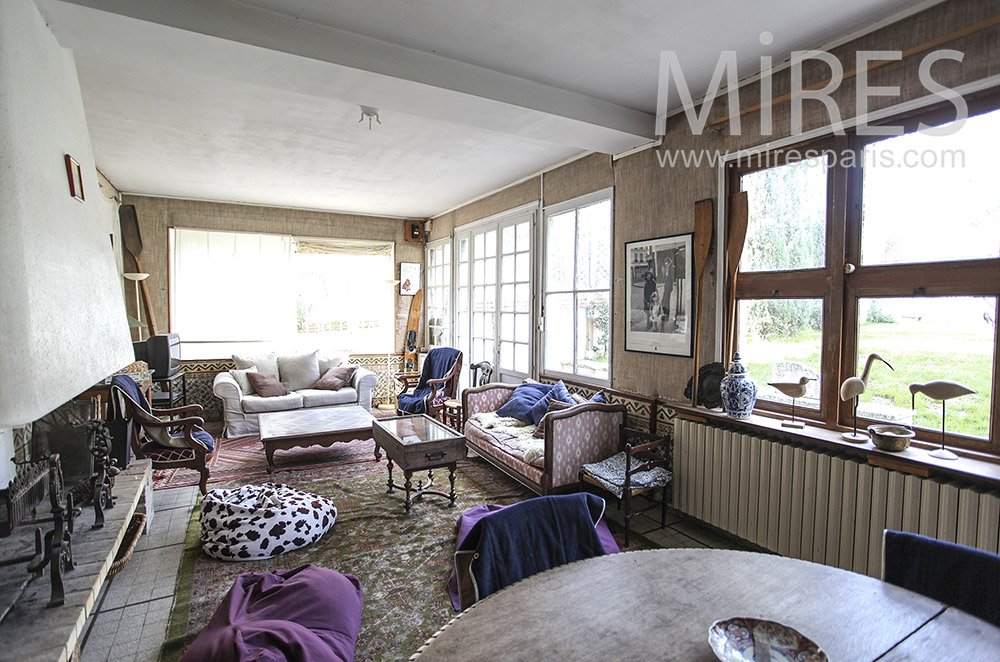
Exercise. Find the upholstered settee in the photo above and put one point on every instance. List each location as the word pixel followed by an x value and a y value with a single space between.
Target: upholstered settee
pixel 242 406
pixel 581 434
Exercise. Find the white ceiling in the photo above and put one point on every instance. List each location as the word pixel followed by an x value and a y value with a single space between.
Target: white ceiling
pixel 257 101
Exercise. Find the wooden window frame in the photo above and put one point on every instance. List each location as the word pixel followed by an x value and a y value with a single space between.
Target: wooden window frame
pixel 841 292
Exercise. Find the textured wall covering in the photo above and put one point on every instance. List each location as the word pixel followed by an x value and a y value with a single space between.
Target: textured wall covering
pixel 156 215
pixel 509 198
pixel 654 201
pixel 580 177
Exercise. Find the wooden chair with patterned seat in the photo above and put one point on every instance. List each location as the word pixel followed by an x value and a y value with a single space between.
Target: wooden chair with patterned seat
pixel 175 443
pixel 642 465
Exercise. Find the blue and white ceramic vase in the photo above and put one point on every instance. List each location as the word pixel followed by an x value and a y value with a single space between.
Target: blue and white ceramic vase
pixel 739 392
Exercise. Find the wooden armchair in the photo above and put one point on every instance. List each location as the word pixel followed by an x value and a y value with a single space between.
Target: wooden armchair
pixel 437 382
pixel 170 444
pixel 640 467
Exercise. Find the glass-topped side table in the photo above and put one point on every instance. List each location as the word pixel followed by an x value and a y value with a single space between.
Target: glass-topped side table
pixel 416 443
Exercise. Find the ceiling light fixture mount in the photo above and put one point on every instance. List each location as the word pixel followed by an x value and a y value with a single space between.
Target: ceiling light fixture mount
pixel 369 113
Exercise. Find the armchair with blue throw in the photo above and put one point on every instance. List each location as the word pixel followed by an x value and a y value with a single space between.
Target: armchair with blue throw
pixel 518 541
pixel 170 444
pixel 438 382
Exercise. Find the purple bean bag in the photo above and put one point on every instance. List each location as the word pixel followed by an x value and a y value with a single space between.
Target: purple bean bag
pixel 307 613
pixel 469 518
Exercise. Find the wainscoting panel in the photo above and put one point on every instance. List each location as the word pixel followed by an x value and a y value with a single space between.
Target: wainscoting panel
pixel 819 506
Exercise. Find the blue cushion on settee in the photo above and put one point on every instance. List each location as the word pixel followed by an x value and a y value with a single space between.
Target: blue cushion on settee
pixel 524 397
pixel 558 392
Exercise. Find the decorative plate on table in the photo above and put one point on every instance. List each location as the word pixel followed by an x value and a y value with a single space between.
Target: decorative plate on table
pixel 736 640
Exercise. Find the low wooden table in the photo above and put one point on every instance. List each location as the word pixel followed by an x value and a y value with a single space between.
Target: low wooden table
pixel 416 443
pixel 660 604
pixel 285 430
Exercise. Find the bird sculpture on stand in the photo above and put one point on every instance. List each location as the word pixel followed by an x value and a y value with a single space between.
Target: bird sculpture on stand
pixel 939 389
pixel 792 390
pixel 853 387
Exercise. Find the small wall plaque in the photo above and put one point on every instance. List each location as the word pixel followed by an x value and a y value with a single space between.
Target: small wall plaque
pixel 414 231
pixel 75 175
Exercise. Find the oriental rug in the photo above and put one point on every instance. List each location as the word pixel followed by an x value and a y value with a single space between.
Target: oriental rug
pixel 403 560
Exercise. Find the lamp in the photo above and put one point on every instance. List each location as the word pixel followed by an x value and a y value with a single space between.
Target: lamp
pixel 135 278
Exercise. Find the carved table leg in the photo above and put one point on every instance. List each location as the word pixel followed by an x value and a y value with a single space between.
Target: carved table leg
pixel 451 478
pixel 378 453
pixel 269 451
pixel 406 485
pixel 389 482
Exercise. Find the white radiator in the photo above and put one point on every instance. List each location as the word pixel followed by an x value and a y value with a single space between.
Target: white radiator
pixel 819 506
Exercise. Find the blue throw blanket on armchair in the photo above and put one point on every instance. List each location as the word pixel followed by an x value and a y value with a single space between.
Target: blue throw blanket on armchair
pixel 532 536
pixel 437 364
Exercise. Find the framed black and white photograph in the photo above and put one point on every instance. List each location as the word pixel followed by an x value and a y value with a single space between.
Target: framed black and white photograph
pixel 658 296
pixel 409 278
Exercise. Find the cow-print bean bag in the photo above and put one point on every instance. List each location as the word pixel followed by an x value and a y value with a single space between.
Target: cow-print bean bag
pixel 261 521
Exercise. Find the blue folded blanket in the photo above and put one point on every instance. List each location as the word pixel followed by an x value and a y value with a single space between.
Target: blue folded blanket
pixel 533 536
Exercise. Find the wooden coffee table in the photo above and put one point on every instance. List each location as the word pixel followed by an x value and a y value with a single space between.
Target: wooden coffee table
pixel 284 430
pixel 416 443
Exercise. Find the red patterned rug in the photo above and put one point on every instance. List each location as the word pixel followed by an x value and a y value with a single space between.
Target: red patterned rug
pixel 243 458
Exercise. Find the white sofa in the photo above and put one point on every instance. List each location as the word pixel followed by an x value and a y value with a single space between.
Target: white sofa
pixel 241 410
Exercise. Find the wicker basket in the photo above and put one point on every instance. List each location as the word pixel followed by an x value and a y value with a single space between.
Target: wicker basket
pixel 125 550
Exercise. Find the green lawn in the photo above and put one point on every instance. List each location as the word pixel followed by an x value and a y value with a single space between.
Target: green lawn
pixel 919 352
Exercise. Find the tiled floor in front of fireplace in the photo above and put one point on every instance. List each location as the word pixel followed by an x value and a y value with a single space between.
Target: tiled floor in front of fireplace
pixel 130 620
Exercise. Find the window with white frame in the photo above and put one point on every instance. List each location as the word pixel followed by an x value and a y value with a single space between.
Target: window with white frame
pixel 236 292
pixel 576 336
pixel 493 292
pixel 438 286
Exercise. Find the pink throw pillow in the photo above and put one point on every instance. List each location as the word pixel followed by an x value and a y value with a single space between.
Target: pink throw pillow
pixel 335 379
pixel 267 386
pixel 554 405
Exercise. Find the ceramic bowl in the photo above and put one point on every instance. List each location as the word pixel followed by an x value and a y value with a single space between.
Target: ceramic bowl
pixel 734 639
pixel 890 436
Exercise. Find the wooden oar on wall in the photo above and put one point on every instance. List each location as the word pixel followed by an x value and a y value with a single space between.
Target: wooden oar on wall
pixel 132 241
pixel 704 219
pixel 736 235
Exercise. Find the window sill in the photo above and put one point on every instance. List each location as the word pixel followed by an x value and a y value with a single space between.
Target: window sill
pixel 971 467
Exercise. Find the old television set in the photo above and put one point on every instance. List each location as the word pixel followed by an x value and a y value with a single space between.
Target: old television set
pixel 163 354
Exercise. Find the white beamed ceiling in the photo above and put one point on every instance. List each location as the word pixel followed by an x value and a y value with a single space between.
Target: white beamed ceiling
pixel 258 101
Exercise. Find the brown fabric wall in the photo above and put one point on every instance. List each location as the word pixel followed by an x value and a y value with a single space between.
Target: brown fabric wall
pixel 156 215
pixel 583 176
pixel 509 198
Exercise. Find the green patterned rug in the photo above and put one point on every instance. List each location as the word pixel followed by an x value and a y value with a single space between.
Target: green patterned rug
pixel 403 560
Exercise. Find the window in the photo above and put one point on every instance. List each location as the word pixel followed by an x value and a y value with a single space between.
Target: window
pixel 233 292
pixel 577 288
pixel 439 294
pixel 869 244
pixel 493 294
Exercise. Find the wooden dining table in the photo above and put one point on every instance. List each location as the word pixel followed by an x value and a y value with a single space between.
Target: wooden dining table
pixel 660 604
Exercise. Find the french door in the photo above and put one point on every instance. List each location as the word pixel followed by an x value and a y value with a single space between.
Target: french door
pixel 493 299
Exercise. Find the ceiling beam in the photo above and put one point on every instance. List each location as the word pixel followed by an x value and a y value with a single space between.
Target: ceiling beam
pixel 401 78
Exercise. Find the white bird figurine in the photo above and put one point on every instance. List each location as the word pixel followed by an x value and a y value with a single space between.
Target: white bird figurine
pixel 792 390
pixel 854 387
pixel 939 389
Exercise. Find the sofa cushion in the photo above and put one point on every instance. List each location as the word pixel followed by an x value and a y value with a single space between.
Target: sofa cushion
pixel 299 370
pixel 314 397
pixel 329 360
pixel 335 379
pixel 241 378
pixel 554 405
pixel 600 397
pixel 266 385
pixel 524 397
pixel 559 392
pixel 255 404
pixel 265 363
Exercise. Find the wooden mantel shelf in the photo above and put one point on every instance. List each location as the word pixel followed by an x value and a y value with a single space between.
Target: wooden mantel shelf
pixel 33 631
pixel 914 460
